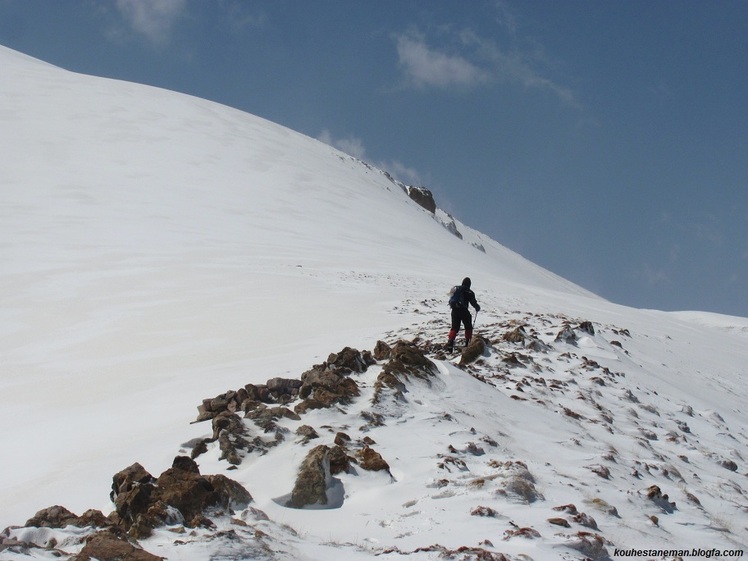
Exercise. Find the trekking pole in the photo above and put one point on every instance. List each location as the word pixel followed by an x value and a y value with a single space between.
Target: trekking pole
pixel 475 321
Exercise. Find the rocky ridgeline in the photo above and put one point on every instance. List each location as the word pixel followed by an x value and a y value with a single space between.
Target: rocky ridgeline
pixel 326 385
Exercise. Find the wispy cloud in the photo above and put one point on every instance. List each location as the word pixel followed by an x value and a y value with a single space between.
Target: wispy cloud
pixel 354 146
pixel 465 59
pixel 653 276
pixel 351 145
pixel 153 19
pixel 516 66
pixel 425 66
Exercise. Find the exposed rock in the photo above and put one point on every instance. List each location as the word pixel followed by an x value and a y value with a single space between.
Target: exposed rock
pixel 264 416
pixel 602 471
pixel 406 361
pixel 519 483
pixel 473 351
pixel 187 491
pixel 340 462
pixel 52 517
pixel 179 495
pixel 587 327
pixel 313 479
pixel 229 429
pixel 517 532
pixel 729 464
pixel 342 439
pixel 307 433
pixel 585 520
pixel 113 546
pixel 423 197
pixel 231 494
pixel 382 350
pixel 567 335
pixel 200 448
pixel 371 460
pixel 347 361
pixel 655 495
pixel 451 226
pixel 590 545
pixel 228 421
pixel 283 385
pixel 516 335
pixel 559 522
pixel 329 383
pixel 372 419
pixel 186 464
pixel 486 511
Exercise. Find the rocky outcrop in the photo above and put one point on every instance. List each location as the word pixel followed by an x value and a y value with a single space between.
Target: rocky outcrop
pixel 406 361
pixel 322 386
pixel 180 495
pixel 473 351
pixel 423 197
pixel 60 517
pixel 371 460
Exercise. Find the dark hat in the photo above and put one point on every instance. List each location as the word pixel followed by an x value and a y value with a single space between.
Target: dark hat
pixel 466 282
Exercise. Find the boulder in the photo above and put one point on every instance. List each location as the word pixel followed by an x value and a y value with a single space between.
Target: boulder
pixel 406 361
pixel 473 351
pixel 339 460
pixel 230 494
pixel 382 350
pixel 313 479
pixel 179 495
pixel 52 517
pixel 347 361
pixel 567 335
pixel 307 433
pixel 107 545
pixel 371 460
pixel 423 197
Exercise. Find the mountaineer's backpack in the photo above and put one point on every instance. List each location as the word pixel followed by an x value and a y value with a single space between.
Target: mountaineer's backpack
pixel 457 297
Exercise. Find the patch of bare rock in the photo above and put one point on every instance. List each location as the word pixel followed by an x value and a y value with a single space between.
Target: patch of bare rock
pixel 180 496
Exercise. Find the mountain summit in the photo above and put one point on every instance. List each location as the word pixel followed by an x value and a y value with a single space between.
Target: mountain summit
pixel 163 253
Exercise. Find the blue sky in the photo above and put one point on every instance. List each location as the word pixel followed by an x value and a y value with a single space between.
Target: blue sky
pixel 604 140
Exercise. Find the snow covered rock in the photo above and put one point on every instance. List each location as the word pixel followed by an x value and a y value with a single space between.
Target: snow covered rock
pixel 113 545
pixel 180 495
pixel 313 479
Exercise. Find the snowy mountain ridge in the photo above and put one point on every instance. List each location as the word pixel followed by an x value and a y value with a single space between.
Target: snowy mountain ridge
pixel 160 249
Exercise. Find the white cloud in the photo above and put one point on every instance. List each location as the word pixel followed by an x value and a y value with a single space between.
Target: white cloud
pixel 466 59
pixel 351 145
pixel 424 66
pixel 152 18
pixel 526 67
pixel 401 172
pixel 354 146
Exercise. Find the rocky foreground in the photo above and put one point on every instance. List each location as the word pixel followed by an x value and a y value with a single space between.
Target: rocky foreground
pixel 550 366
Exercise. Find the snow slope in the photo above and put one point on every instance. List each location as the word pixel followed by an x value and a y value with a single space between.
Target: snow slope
pixel 159 249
